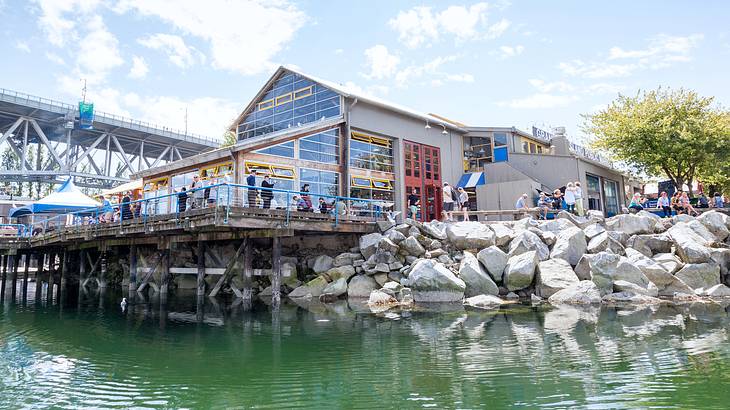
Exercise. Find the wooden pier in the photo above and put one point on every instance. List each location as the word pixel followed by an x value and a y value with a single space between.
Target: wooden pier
pixel 214 245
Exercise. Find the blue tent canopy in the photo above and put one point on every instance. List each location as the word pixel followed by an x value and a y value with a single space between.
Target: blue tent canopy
pixel 471 180
pixel 67 198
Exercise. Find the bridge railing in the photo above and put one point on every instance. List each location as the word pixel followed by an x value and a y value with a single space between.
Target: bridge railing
pixel 220 199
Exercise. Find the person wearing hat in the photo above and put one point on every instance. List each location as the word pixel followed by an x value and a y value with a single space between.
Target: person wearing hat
pixel 449 198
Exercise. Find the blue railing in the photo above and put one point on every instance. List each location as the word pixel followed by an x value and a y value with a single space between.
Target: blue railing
pixel 19 229
pixel 221 198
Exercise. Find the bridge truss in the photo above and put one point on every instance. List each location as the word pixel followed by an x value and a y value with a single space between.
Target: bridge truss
pixel 47 145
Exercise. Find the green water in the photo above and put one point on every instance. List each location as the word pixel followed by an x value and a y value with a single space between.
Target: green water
pixel 90 354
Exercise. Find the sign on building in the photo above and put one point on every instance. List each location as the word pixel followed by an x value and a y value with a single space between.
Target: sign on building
pixel 541 134
pixel 86 115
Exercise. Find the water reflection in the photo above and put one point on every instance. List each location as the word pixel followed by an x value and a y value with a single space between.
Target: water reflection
pixel 164 351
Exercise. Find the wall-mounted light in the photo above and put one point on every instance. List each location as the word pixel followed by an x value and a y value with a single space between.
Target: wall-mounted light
pixel 428 127
pixel 444 131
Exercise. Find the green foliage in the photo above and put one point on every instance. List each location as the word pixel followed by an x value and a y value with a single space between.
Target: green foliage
pixel 229 138
pixel 676 133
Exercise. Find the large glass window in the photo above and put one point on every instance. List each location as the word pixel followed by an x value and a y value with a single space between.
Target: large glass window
pixel 281 176
pixel 611 194
pixel 292 101
pixel 285 149
pixel 320 183
pixel 369 152
pixel 380 190
pixel 594 192
pixel 321 147
pixel 155 189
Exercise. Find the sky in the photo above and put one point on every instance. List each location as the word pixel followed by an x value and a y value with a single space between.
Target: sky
pixel 519 63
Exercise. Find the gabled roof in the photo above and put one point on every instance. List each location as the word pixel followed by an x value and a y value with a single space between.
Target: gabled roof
pixel 350 93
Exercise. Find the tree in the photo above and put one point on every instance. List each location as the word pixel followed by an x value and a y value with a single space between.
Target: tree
pixel 676 133
pixel 229 138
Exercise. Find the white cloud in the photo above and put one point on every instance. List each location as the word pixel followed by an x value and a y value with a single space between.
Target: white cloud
pixel 545 87
pixel 244 36
pixel 509 51
pixel 339 51
pixel 381 64
pixel 414 72
pixel 139 68
pixel 539 100
pixel 460 78
pixel 173 46
pixel 421 25
pixel 604 88
pixel 662 51
pixel 58 28
pixel 99 53
pixel 55 58
pixel 22 46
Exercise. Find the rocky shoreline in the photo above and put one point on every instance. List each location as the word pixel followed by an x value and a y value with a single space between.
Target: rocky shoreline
pixel 637 259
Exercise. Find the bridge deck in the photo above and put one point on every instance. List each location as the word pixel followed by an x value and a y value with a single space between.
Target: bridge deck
pixel 216 223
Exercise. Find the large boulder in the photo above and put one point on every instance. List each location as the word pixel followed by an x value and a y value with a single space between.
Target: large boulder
pixel 395 236
pixel 475 277
pixel 717 291
pixel 603 265
pixel 631 224
pixel 484 302
pixel 412 246
pixel 653 270
pixel 593 230
pixel 336 288
pixel 669 262
pixel 577 221
pixel 716 222
pixel 624 286
pixel 387 245
pixel 584 292
pixel 677 287
pixel 583 268
pixel 570 245
pixel 691 246
pixel 470 235
pixel 520 270
pixel 629 297
pixel 721 256
pixel 527 241
pixel 322 263
pixel 360 286
pixel 347 258
pixel 369 244
pixel 495 260
pixel 700 275
pixel 431 281
pixel 553 275
pixel 434 229
pixel 605 242
pixel 556 225
pixel 502 233
pixel 345 272
pixel 313 288
pixel 650 244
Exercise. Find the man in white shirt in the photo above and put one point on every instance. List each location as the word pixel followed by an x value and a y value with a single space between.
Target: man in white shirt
pixel 578 199
pixel 448 199
pixel 521 202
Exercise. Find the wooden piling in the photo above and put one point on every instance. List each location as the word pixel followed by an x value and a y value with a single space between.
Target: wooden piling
pixel 276 271
pixel 247 272
pixel 65 256
pixel 133 268
pixel 165 272
pixel 51 273
pixel 201 268
pixel 103 273
pixel 82 269
pixel 4 272
pixel 39 276
pixel 13 268
pixel 27 258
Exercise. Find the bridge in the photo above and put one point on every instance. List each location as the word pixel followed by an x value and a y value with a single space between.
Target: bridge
pixel 48 145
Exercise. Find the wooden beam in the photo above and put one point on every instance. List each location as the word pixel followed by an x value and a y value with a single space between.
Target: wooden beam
pixel 165 274
pixel 39 276
pixel 276 271
pixel 201 268
pixel 132 266
pixel 26 267
pixel 227 274
pixel 150 272
pixel 247 274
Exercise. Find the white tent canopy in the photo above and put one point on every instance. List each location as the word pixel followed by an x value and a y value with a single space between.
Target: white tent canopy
pixel 67 198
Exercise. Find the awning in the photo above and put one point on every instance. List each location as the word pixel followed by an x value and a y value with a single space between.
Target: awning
pixel 65 199
pixel 129 186
pixel 471 180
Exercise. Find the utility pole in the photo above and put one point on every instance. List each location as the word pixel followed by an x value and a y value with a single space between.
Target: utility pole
pixel 186 120
pixel 83 91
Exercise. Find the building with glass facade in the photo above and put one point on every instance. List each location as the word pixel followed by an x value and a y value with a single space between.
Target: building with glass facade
pixel 300 130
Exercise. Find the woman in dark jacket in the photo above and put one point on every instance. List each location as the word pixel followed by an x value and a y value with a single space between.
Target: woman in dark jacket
pixel 266 194
pixel 126 209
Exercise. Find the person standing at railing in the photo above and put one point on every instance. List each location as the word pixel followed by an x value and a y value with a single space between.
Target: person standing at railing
pixel 182 199
pixel 449 198
pixel 323 206
pixel 252 192
pixel 126 209
pixel 306 198
pixel 107 211
pixel 267 194
pixel 198 192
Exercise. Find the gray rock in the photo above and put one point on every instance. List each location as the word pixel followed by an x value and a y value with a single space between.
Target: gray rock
pixel 395 276
pixel 653 271
pixel 384 224
pixel 340 272
pixel 403 229
pixel 322 263
pixel 502 233
pixel 595 216
pixel 381 278
pixel 360 286
pixel 575 220
pixel 380 298
pixel 313 288
pixel 494 260
pixel 395 236
pixel 470 235
pixel 603 264
pixel 553 275
pixel 555 225
pixel 412 246
pixel 700 275
pixel 484 302
pixel 445 259
pixel 383 268
pixel 336 288
pixel 584 292
pixel 520 270
pixel 369 243
pixel 393 286
pixel 535 299
pixel 583 268
pixel 591 231
pixel 721 256
pixel 624 286
pixel 669 262
pixel 690 245
pixel 435 229
pixel 527 241
pixel 675 288
pixel 431 281
pixel 620 237
pixel 630 224
pixel 475 277
pixel 549 238
pixel 630 297
pixel 512 296
pixel 604 242
pixel 347 258
pixel 570 245
pixel 717 223
pixel 717 291
pixel 650 244
pixel 435 253
pixel 388 246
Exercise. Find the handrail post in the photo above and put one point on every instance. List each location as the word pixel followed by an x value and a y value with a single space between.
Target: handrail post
pixel 288 207
pixel 228 201
pixel 337 212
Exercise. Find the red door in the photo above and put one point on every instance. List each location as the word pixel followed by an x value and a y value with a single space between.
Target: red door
pixel 423 173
